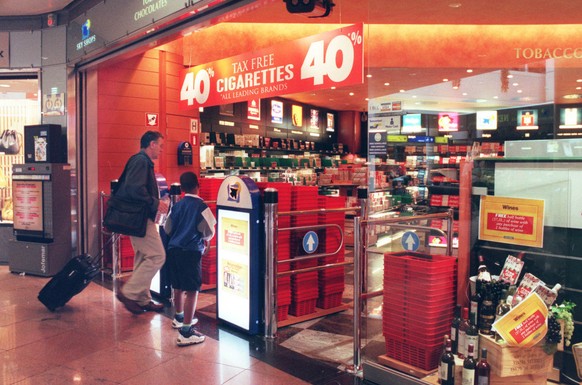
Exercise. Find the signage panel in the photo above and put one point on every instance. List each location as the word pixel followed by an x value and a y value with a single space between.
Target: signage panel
pixel 512 220
pixel 333 58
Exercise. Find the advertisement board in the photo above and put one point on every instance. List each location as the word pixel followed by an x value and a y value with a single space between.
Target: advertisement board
pixel 334 58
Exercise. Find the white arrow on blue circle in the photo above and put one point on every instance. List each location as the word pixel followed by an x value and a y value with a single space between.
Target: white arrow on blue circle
pixel 410 241
pixel 310 242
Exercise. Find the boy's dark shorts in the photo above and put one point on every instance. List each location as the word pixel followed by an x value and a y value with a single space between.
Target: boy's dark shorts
pixel 185 269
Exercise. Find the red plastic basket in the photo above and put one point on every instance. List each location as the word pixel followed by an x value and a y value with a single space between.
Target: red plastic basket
pixel 329 301
pixel 302 307
pixel 422 356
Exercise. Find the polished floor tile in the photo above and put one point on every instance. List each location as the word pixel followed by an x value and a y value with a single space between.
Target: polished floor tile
pixel 95 340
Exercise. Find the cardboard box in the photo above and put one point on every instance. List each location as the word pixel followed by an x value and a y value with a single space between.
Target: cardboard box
pixel 516 362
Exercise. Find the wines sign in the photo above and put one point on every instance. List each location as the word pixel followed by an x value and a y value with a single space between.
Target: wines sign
pixel 334 58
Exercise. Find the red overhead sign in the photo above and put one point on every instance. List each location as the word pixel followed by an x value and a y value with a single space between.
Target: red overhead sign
pixel 333 58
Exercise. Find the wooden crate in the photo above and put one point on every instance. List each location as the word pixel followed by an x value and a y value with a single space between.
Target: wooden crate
pixel 516 362
pixel 530 379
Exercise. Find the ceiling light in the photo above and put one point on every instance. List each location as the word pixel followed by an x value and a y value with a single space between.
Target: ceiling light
pixel 333 87
pixel 351 94
pixel 402 90
pixel 469 70
pixel 578 80
pixel 386 84
pixel 5 85
pixel 369 75
pixel 445 80
pixel 455 87
pixel 515 84
pixel 367 99
pixel 573 96
pixel 519 91
pixel 414 96
pixel 510 76
pixel 496 97
pixel 455 5
pixel 579 88
pixel 464 94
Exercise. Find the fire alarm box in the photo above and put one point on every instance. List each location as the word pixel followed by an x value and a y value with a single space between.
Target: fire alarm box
pixel 184 154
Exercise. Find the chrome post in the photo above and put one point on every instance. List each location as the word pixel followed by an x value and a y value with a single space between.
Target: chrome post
pixel 271 200
pixel 363 202
pixel 358 247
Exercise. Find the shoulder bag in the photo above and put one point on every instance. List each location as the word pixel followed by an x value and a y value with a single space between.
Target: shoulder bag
pixel 124 216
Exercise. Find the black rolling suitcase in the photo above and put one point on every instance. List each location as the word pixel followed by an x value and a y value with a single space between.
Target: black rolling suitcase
pixel 70 281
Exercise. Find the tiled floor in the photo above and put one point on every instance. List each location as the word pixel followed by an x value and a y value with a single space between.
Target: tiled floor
pixel 94 340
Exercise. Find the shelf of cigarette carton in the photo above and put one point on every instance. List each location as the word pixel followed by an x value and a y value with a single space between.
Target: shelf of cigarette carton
pixel 292 320
pixel 259 148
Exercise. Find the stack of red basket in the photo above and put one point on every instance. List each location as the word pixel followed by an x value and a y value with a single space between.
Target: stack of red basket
pixel 419 298
pixel 284 246
pixel 331 280
pixel 304 289
pixel 209 192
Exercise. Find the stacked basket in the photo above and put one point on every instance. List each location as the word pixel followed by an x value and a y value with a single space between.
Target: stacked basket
pixel 304 290
pixel 419 298
pixel 209 192
pixel 331 280
pixel 284 246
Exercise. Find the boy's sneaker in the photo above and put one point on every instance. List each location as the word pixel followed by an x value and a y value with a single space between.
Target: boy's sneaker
pixel 177 324
pixel 191 337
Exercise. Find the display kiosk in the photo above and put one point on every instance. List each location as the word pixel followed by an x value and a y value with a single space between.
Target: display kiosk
pixel 240 248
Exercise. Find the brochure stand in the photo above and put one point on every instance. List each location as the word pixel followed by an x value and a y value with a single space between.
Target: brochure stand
pixel 240 249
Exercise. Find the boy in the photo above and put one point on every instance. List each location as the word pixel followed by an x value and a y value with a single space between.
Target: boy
pixel 190 227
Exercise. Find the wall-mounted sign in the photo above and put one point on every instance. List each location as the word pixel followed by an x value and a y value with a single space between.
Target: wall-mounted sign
pixel 333 58
pixel 527 119
pixel 152 119
pixel 314 119
pixel 412 123
pixel 330 126
pixel 448 122
pixel 53 104
pixel 297 115
pixel 512 220
pixel 276 111
pixel 570 118
pixel 487 120
pixel 254 109
pixel 4 49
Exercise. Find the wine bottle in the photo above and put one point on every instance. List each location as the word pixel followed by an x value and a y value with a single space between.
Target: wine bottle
pixel 472 336
pixel 469 366
pixel 463 326
pixel 483 370
pixel 447 366
pixel 455 329
pixel 486 314
pixel 474 306
pixel 483 274
pixel 502 308
pixel 445 339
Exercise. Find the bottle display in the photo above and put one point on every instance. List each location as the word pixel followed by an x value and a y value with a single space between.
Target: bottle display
pixel 472 336
pixel 486 314
pixel 455 328
pixel 469 367
pixel 502 308
pixel 474 306
pixel 463 326
pixel 447 365
pixel 483 370
pixel 512 269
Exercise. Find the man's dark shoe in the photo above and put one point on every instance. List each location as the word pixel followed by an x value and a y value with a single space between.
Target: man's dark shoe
pixel 152 306
pixel 131 305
